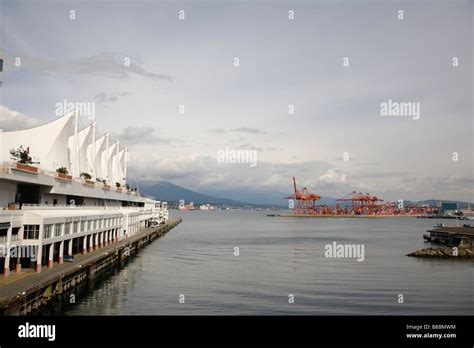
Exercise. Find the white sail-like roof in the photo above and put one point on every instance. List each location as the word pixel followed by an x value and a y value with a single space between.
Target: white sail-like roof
pixel 121 165
pixel 94 154
pixel 103 156
pixel 48 144
pixel 112 163
pixel 84 139
pixel 61 144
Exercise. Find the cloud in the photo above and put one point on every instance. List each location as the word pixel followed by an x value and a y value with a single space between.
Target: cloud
pixel 456 187
pixel 199 172
pixel 248 146
pixel 248 130
pixel 214 179
pixel 190 167
pixel 14 120
pixel 367 164
pixel 218 130
pixel 332 177
pixel 102 64
pixel 139 135
pixel 109 97
pixel 380 174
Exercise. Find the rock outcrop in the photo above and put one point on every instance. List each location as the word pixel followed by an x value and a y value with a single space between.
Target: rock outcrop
pixel 462 252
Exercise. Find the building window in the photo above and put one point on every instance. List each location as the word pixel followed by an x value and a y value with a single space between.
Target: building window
pixel 83 226
pixel 89 225
pixel 76 227
pixel 46 231
pixel 57 230
pixel 96 224
pixel 67 228
pixel 31 232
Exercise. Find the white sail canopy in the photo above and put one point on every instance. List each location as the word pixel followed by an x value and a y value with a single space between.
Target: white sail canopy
pixel 121 165
pixel 47 144
pixel 95 155
pixel 61 144
pixel 79 159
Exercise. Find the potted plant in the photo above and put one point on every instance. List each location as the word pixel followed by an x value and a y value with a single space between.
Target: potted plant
pixel 62 173
pixel 106 185
pixel 23 159
pixel 87 178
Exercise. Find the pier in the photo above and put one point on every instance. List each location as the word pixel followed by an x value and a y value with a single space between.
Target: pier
pixel 32 291
pixel 451 235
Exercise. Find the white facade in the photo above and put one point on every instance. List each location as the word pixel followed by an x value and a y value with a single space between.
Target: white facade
pixel 49 215
pixel 36 229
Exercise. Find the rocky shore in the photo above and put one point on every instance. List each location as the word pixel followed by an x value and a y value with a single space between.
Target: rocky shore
pixel 462 252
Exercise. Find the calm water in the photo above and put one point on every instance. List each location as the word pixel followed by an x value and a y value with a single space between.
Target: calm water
pixel 281 256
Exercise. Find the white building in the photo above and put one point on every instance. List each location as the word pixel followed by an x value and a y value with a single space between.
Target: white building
pixel 46 215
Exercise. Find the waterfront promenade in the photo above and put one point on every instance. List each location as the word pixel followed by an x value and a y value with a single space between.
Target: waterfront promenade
pixel 13 290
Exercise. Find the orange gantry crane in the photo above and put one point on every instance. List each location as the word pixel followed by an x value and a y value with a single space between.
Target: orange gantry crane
pixel 305 201
pixel 362 203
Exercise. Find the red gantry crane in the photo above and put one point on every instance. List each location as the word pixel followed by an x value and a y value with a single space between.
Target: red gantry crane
pixel 305 201
pixel 362 204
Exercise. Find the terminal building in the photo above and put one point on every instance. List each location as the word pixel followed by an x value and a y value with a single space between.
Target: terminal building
pixel 63 191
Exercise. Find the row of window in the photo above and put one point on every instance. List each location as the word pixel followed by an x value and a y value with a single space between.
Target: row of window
pixel 32 231
pixel 133 219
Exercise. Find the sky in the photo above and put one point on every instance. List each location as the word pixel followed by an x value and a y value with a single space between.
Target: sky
pixel 334 142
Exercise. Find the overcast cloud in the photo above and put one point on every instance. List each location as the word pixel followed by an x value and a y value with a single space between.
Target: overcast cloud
pixel 181 100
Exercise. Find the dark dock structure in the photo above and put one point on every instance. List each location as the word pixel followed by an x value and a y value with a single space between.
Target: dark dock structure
pixel 451 236
pixel 35 290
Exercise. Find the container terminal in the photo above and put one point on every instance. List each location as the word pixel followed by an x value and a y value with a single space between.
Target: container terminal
pixel 354 204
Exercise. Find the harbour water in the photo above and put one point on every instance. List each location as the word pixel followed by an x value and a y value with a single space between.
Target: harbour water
pixel 277 257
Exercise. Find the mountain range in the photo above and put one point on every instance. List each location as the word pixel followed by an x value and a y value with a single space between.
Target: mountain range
pixel 167 191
